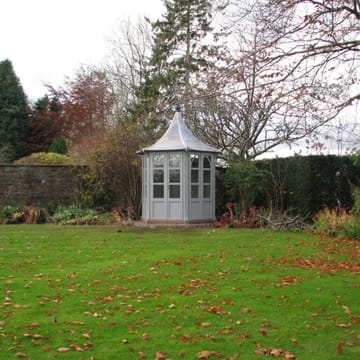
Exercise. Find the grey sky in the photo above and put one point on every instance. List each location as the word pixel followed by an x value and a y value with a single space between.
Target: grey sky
pixel 47 40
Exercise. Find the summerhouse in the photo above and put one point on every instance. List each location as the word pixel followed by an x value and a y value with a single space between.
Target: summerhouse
pixel 178 174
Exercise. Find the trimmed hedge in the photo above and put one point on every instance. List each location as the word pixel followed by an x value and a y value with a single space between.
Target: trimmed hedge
pixel 309 184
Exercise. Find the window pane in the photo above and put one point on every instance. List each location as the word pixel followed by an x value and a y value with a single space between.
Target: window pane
pixel 174 160
pixel 194 176
pixel 159 161
pixel 174 175
pixel 174 191
pixel 206 193
pixel 194 191
pixel 194 161
pixel 207 162
pixel 207 177
pixel 158 191
pixel 158 176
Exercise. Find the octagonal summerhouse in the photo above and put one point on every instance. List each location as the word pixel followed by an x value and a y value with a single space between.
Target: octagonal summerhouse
pixel 178 174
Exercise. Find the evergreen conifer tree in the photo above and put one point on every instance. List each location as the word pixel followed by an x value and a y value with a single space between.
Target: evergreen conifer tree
pixel 179 51
pixel 14 117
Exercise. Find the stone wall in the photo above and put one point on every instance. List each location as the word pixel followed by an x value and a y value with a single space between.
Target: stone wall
pixel 37 185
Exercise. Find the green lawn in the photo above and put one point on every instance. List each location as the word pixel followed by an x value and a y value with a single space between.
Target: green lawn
pixel 104 293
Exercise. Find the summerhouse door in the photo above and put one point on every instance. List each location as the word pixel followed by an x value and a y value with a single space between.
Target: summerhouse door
pixel 166 187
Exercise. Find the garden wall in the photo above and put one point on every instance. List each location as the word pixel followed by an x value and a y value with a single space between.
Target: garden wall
pixel 37 185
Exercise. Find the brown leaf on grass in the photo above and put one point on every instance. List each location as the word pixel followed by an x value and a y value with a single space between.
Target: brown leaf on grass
pixel 32 325
pixel 76 347
pixel 86 336
pixel 87 345
pixel 206 324
pixel 160 355
pixel 276 352
pixel 245 310
pixel 342 325
pixel 340 347
pixel 346 310
pixel 33 336
pixel 288 280
pixel 208 354
pixel 21 355
pixel 185 337
pixel 263 332
pixel 63 349
pixel 289 356
pixel 261 351
pixel 350 343
pixel 141 355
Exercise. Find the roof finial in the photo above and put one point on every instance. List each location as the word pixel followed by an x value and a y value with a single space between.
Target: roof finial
pixel 177 108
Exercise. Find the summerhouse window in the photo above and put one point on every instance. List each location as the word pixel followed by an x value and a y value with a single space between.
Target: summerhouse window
pixel 207 176
pixel 158 176
pixel 174 176
pixel 194 176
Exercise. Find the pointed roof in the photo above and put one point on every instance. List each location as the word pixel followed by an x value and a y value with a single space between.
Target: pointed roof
pixel 179 137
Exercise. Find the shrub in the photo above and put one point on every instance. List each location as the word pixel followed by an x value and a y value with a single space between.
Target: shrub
pixel 244 181
pixel 116 168
pixel 12 214
pixel 22 214
pixel 356 197
pixel 58 146
pixel 67 213
pixel 352 228
pixel 337 223
pixel 42 158
pixel 330 221
pixel 98 219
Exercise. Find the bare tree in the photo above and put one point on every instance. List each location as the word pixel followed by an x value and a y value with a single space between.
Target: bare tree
pixel 317 38
pixel 130 47
pixel 273 86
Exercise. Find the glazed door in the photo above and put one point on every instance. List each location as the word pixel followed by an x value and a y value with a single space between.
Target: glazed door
pixel 166 187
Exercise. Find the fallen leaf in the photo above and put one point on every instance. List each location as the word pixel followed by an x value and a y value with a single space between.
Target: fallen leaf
pixel 63 349
pixel 261 351
pixel 86 336
pixel 160 355
pixel 350 343
pixel 206 324
pixel 32 325
pixel 340 347
pixel 186 337
pixel 346 310
pixel 342 325
pixel 207 354
pixel 87 345
pixel 263 332
pixel 289 356
pixel 276 352
pixel 21 355
pixel 141 355
pixel 33 336
pixel 76 348
pixel 75 323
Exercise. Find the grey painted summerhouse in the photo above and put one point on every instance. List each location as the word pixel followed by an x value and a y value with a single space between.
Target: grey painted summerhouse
pixel 178 174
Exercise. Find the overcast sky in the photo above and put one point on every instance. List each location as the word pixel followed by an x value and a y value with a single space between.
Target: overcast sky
pixel 47 40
